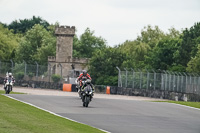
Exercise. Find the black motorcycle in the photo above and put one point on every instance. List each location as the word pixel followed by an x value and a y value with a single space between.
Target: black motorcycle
pixel 86 93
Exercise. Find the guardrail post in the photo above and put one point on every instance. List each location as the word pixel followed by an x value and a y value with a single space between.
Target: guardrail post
pixel 25 67
pixel 140 78
pixel 119 77
pixel 133 77
pixel 165 80
pixel 169 80
pixel 194 88
pixel 168 77
pixel 177 86
pixel 49 71
pixel 126 77
pixel 181 82
pixel 174 78
pixel 154 81
pixel 147 79
pixel 186 82
pixel 36 70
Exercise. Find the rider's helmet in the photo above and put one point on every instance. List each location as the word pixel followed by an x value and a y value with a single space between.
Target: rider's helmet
pixel 84 72
pixel 10 74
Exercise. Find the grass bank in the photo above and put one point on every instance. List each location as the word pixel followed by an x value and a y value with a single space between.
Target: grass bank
pixel 191 104
pixel 17 117
pixel 3 92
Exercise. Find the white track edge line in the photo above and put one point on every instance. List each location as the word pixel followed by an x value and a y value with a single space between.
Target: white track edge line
pixel 54 113
pixel 184 106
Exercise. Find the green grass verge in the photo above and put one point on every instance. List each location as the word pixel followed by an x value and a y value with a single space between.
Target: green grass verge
pixel 18 117
pixel 191 104
pixel 3 92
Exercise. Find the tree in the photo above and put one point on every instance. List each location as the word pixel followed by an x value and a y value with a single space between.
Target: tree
pixel 140 48
pixel 4 25
pixel 189 46
pixel 173 33
pixel 23 25
pixel 135 49
pixel 163 54
pixel 194 63
pixel 87 44
pixel 76 47
pixel 8 43
pixel 102 66
pixel 37 45
pixel 151 35
pixel 153 45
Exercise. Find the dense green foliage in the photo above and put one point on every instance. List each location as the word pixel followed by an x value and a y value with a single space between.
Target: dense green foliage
pixel 22 26
pixel 19 75
pixel 152 49
pixel 56 78
pixel 36 45
pixel 162 55
pixel 8 43
pixel 189 46
pixel 87 44
pixel 103 65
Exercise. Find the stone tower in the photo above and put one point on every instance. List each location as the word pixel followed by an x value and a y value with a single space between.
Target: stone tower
pixel 64 64
pixel 64 45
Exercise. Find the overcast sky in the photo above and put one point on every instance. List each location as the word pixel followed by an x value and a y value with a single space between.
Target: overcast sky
pixel 114 20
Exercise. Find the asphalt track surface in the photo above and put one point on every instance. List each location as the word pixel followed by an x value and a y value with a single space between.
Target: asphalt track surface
pixel 121 116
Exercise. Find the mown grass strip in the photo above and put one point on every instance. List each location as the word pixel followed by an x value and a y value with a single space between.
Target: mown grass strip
pixel 3 92
pixel 191 104
pixel 18 117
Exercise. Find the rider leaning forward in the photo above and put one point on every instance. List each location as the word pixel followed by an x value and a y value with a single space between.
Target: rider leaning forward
pixel 84 75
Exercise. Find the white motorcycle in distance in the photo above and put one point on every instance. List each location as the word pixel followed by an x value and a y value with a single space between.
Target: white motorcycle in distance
pixel 8 86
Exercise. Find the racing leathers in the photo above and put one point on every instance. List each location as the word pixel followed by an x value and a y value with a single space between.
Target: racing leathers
pixel 84 77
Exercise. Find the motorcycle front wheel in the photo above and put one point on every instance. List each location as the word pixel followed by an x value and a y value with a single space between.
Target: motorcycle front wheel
pixel 7 90
pixel 87 100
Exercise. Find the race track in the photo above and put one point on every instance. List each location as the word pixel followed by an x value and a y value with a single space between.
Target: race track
pixel 121 116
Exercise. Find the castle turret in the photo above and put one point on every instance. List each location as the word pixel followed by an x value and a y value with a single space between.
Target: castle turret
pixel 64 45
pixel 64 64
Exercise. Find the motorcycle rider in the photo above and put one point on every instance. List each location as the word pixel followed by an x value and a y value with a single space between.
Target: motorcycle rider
pixel 82 76
pixel 9 76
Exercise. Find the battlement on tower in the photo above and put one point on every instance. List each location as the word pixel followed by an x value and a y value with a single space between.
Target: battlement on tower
pixel 80 60
pixel 65 31
pixel 51 58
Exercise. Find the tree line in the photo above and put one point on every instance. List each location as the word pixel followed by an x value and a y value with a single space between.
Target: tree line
pixel 33 40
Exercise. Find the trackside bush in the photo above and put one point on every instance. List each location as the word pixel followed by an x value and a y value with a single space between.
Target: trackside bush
pixel 56 78
pixel 19 75
pixel 30 75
